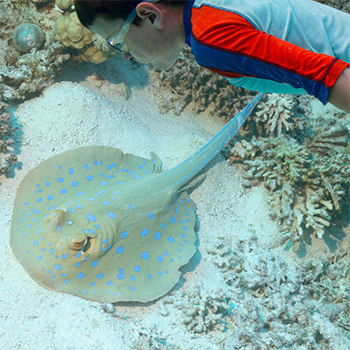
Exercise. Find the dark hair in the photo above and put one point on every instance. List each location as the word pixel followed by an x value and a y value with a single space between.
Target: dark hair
pixel 88 10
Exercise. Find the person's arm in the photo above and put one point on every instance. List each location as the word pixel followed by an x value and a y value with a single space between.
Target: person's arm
pixel 339 94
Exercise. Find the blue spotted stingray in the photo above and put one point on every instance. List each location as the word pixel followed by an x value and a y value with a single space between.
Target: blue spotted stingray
pixel 109 226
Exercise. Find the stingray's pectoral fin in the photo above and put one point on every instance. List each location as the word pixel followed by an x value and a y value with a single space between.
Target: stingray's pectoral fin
pixel 191 186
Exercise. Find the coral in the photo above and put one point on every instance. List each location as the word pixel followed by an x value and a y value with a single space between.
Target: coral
pixel 64 4
pixel 343 5
pixel 275 305
pixel 28 36
pixel 202 311
pixel 306 189
pixel 190 82
pixel 32 72
pixel 278 114
pixel 7 157
pixel 91 46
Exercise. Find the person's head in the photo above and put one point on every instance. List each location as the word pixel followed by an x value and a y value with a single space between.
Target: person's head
pixel 149 31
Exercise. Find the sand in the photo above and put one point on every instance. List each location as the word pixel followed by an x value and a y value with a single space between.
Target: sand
pixel 115 104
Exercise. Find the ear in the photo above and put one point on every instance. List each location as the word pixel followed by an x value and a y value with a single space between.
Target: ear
pixel 150 13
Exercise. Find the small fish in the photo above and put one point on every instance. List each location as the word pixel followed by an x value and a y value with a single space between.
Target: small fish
pixel 109 226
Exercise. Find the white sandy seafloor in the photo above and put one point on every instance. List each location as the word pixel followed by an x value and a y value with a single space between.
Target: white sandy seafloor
pixel 117 106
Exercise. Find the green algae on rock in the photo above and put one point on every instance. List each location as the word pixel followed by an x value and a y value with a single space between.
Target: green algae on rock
pixel 27 37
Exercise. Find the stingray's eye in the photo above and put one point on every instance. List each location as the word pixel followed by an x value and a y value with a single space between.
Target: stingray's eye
pixel 78 241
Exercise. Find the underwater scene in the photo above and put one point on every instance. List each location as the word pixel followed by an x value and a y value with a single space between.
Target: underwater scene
pixel 168 210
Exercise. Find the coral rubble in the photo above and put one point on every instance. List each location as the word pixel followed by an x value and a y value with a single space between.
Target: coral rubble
pixel 28 36
pixel 275 305
pixel 7 156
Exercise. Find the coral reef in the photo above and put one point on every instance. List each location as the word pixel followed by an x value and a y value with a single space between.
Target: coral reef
pixel 306 189
pixel 7 156
pixel 190 82
pixel 275 305
pixel 28 36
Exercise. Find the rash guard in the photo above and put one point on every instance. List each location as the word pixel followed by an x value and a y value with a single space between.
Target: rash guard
pixel 282 46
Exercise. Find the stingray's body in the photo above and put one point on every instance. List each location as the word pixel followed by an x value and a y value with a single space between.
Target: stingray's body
pixel 109 226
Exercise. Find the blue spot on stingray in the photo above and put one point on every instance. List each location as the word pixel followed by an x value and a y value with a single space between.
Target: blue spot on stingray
pixel 132 288
pixel 166 271
pixel 159 273
pixel 60 167
pixel 125 170
pixel 120 250
pixel 137 268
pixel 39 231
pixel 132 278
pixel 63 191
pixel 132 173
pixel 160 258
pixel 166 253
pixel 124 234
pixel 140 166
pixel 43 249
pixel 121 271
pixel 167 208
pixel 149 276
pixel 116 192
pixel 51 251
pixel 86 167
pixel 101 162
pixel 94 263
pixel 50 197
pixel 71 171
pixel 64 256
pixel 105 240
pixel 26 203
pixel 157 235
pixel 146 172
pixel 66 281
pixel 77 264
pixel 92 231
pixel 39 257
pixel 185 228
pixel 52 207
pixel 96 162
pixel 80 275
pixel 131 206
pixel 145 255
pixel 171 239
pixel 109 167
pixel 110 283
pixel 79 194
pixel 89 178
pixel 58 267
pixel 28 226
pixel 77 255
pixel 105 202
pixel 97 226
pixel 179 250
pixel 37 185
pixel 162 225
pixel 183 235
pixel 120 276
pixel 171 259
pixel 103 183
pixel 111 215
pixel 100 192
pixel 172 220
pixel 92 284
pixel 90 217
pixel 25 233
pixel 56 256
pixel 144 232
pixel 60 179
pixel 39 200
pixel 47 183
pixel 150 216
pixel 75 183
pixel 35 243
pixel 78 206
pixel 99 276
pixel 176 210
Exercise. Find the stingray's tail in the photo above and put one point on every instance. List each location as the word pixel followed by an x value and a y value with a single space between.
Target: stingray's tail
pixel 188 169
